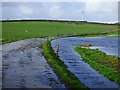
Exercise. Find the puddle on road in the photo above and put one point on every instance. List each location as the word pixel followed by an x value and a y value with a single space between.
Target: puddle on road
pixel 82 70
pixel 24 66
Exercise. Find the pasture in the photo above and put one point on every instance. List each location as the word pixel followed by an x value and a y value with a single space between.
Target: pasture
pixel 13 31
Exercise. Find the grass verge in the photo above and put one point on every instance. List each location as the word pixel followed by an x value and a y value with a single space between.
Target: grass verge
pixel 107 65
pixel 61 69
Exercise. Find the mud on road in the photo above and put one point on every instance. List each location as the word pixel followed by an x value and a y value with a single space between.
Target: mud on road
pixel 23 66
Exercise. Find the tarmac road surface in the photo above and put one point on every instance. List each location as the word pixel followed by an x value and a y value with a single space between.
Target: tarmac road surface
pixel 24 66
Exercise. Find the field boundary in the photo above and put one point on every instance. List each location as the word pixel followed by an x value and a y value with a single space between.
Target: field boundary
pixel 61 21
pixel 67 35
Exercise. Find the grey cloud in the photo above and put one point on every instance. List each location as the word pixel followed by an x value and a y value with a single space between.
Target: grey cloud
pixel 103 11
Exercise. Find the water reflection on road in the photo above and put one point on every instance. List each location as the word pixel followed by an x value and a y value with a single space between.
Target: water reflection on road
pixel 76 65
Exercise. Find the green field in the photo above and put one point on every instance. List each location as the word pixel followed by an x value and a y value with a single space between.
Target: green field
pixel 13 31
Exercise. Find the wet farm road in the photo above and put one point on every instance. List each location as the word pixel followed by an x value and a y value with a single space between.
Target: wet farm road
pixel 25 67
pixel 76 65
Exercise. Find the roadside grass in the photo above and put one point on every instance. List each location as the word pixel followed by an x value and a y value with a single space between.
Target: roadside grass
pixel 60 68
pixel 13 31
pixel 102 34
pixel 113 34
pixel 107 65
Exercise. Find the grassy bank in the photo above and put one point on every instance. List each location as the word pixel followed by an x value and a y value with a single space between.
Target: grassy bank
pixel 101 34
pixel 13 31
pixel 105 64
pixel 60 68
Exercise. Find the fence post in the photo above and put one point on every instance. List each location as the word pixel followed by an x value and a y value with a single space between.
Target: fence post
pixel 57 50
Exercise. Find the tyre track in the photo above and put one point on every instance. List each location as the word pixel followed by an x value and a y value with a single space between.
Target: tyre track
pixel 25 67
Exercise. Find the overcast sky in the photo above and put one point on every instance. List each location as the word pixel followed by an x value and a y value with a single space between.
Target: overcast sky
pixel 88 10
